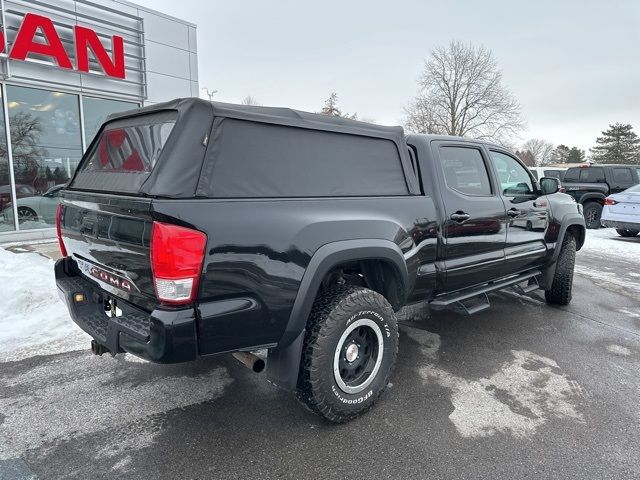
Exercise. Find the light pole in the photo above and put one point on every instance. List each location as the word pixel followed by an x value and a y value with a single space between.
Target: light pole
pixel 209 93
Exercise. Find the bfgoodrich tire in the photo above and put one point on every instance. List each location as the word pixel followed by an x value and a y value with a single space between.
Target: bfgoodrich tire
pixel 349 352
pixel 560 291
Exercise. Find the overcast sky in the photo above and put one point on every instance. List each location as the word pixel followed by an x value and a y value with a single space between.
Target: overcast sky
pixel 574 66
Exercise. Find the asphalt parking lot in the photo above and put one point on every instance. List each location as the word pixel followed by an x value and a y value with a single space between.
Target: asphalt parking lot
pixel 522 390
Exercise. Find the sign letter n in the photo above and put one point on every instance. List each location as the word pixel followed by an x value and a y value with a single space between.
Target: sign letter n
pixel 25 43
pixel 88 39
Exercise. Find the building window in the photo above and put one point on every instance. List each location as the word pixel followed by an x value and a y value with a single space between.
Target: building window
pixel 6 196
pixel 96 111
pixel 46 148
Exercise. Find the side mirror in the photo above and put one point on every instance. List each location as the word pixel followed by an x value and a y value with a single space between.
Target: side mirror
pixel 549 185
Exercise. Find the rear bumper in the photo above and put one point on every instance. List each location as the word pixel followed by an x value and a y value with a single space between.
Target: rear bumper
pixel 162 336
pixel 621 225
pixel 620 221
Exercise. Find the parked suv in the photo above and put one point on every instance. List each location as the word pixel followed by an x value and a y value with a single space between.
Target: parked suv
pixel 194 228
pixel 591 184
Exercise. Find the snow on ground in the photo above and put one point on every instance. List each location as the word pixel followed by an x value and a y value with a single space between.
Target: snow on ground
pixel 31 313
pixel 606 243
pixel 611 261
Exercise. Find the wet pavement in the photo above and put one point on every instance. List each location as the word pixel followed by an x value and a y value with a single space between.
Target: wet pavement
pixel 522 390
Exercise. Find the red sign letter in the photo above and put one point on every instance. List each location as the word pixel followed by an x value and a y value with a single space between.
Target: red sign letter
pixel 87 39
pixel 25 44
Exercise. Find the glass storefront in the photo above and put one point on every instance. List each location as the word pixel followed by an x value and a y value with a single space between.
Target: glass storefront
pixel 6 195
pixel 96 111
pixel 46 144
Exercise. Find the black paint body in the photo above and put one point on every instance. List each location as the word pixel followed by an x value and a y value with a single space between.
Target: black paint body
pixel 266 258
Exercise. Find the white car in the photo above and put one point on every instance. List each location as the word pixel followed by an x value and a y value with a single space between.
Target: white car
pixel 622 211
pixel 37 208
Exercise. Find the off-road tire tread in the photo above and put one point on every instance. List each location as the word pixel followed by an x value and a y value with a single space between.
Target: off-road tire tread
pixel 329 309
pixel 560 291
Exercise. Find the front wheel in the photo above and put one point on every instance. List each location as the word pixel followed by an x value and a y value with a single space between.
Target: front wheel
pixel 561 288
pixel 349 352
pixel 592 214
pixel 623 232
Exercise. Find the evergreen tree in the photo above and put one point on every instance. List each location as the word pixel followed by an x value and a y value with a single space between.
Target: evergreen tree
pixel 331 108
pixel 560 154
pixel 564 154
pixel 576 155
pixel 618 144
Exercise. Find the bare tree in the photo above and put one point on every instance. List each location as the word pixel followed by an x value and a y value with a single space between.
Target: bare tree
pixel 461 93
pixel 540 149
pixel 249 100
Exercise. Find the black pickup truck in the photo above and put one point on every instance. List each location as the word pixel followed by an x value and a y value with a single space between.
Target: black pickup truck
pixel 591 184
pixel 193 228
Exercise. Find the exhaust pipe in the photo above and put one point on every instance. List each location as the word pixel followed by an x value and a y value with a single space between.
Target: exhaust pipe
pixel 98 349
pixel 249 360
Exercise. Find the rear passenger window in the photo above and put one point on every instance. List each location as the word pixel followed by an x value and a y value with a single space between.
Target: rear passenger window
pixel 622 176
pixel 592 175
pixel 263 160
pixel 572 175
pixel 465 171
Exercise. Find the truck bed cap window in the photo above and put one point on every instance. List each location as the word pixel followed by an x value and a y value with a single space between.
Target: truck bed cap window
pixel 125 153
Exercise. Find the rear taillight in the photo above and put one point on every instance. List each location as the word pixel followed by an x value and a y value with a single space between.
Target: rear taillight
pixel 63 249
pixel 177 254
pixel 609 201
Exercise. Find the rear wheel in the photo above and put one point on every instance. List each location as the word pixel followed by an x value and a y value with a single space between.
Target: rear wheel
pixel 560 291
pixel 627 233
pixel 592 214
pixel 349 352
pixel 26 214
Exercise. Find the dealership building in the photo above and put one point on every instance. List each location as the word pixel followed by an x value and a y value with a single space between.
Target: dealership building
pixel 64 66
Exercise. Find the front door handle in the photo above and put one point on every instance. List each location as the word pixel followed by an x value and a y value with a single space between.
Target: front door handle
pixel 514 212
pixel 459 216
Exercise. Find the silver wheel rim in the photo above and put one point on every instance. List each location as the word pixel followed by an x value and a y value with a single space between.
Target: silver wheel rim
pixel 363 322
pixel 25 215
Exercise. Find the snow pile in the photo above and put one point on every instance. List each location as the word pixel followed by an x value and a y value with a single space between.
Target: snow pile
pixel 31 313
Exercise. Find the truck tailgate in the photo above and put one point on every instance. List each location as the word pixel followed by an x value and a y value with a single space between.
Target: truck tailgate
pixel 108 237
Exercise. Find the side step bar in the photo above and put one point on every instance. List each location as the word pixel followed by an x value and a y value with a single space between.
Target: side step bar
pixel 475 299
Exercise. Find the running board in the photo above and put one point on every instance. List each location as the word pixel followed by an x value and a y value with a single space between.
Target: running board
pixel 476 300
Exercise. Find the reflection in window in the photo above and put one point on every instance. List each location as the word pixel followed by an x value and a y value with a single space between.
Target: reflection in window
pixel 465 171
pixel 46 147
pixel 514 179
pixel 96 111
pixel 6 198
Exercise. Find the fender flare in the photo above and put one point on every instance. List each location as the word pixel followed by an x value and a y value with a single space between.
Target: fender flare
pixel 284 361
pixel 592 196
pixel 568 220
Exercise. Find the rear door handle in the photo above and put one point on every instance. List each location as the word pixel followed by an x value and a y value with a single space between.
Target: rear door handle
pixel 459 216
pixel 514 212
